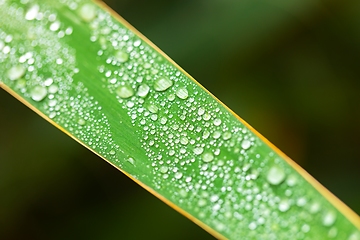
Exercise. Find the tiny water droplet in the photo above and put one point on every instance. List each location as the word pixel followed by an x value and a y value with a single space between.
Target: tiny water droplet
pixel 245 144
pixel 284 205
pixel 198 150
pixel 207 157
pixel 163 83
pixel 226 135
pixel 112 152
pixel 81 122
pixel 32 12
pixel 152 108
pixel 329 218
pixel 143 90
pixel 87 12
pixel 252 226
pixel 121 56
pixel 178 175
pixel 182 93
pixel 38 93
pixel 184 140
pixel 164 169
pixel 275 175
pixel 16 72
pixel 125 91
pixel 131 161
pixel 217 122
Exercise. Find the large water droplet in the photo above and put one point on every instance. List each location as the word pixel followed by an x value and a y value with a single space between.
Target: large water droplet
pixel 125 91
pixel 162 84
pixel 16 72
pixel 275 175
pixel 38 93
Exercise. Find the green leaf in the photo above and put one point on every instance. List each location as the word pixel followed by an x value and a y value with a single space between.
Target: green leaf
pixel 88 72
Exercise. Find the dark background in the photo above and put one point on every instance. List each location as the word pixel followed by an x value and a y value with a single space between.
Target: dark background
pixel 289 68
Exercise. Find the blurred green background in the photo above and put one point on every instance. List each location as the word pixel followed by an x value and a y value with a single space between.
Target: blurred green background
pixel 289 68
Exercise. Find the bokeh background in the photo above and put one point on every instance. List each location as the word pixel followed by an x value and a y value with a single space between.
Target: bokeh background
pixel 289 68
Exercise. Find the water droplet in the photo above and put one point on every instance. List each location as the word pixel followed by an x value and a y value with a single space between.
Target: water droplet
pixel 121 56
pixel 214 198
pixel 332 232
pixel 201 111
pixel 53 88
pixel 198 150
pixel 329 218
pixel 301 202
pixel 38 93
pixel 162 84
pixel 32 12
pixel 246 144
pixel 275 175
pixel 252 226
pixel 226 135
pixel 178 175
pixel 16 72
pixel 354 236
pixel 125 91
pixel 207 157
pixel 305 228
pixel 81 122
pixel 182 93
pixel 284 205
pixel 291 180
pixel 131 161
pixel 201 202
pixel 87 12
pixel 217 122
pixel 143 90
pixel 55 26
pixel 164 169
pixel 112 152
pixel 315 207
pixel 152 108
pixel 184 140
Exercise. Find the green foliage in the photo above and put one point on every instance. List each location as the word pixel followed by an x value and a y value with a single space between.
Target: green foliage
pixel 109 89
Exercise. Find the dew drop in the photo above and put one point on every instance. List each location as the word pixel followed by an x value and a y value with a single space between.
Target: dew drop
pixel 164 169
pixel 275 175
pixel 198 150
pixel 305 228
pixel 207 157
pixel 16 72
pixel 354 236
pixel 184 140
pixel 125 91
pixel 329 218
pixel 55 26
pixel 38 93
pixel 178 175
pixel 246 144
pixel 284 205
pixel 217 122
pixel 87 12
pixel 201 202
pixel 162 84
pixel 182 93
pixel 152 108
pixel 291 180
pixel 201 111
pixel 112 152
pixel 226 135
pixel 81 122
pixel 131 161
pixel 32 12
pixel 143 90
pixel 121 56
pixel 252 226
